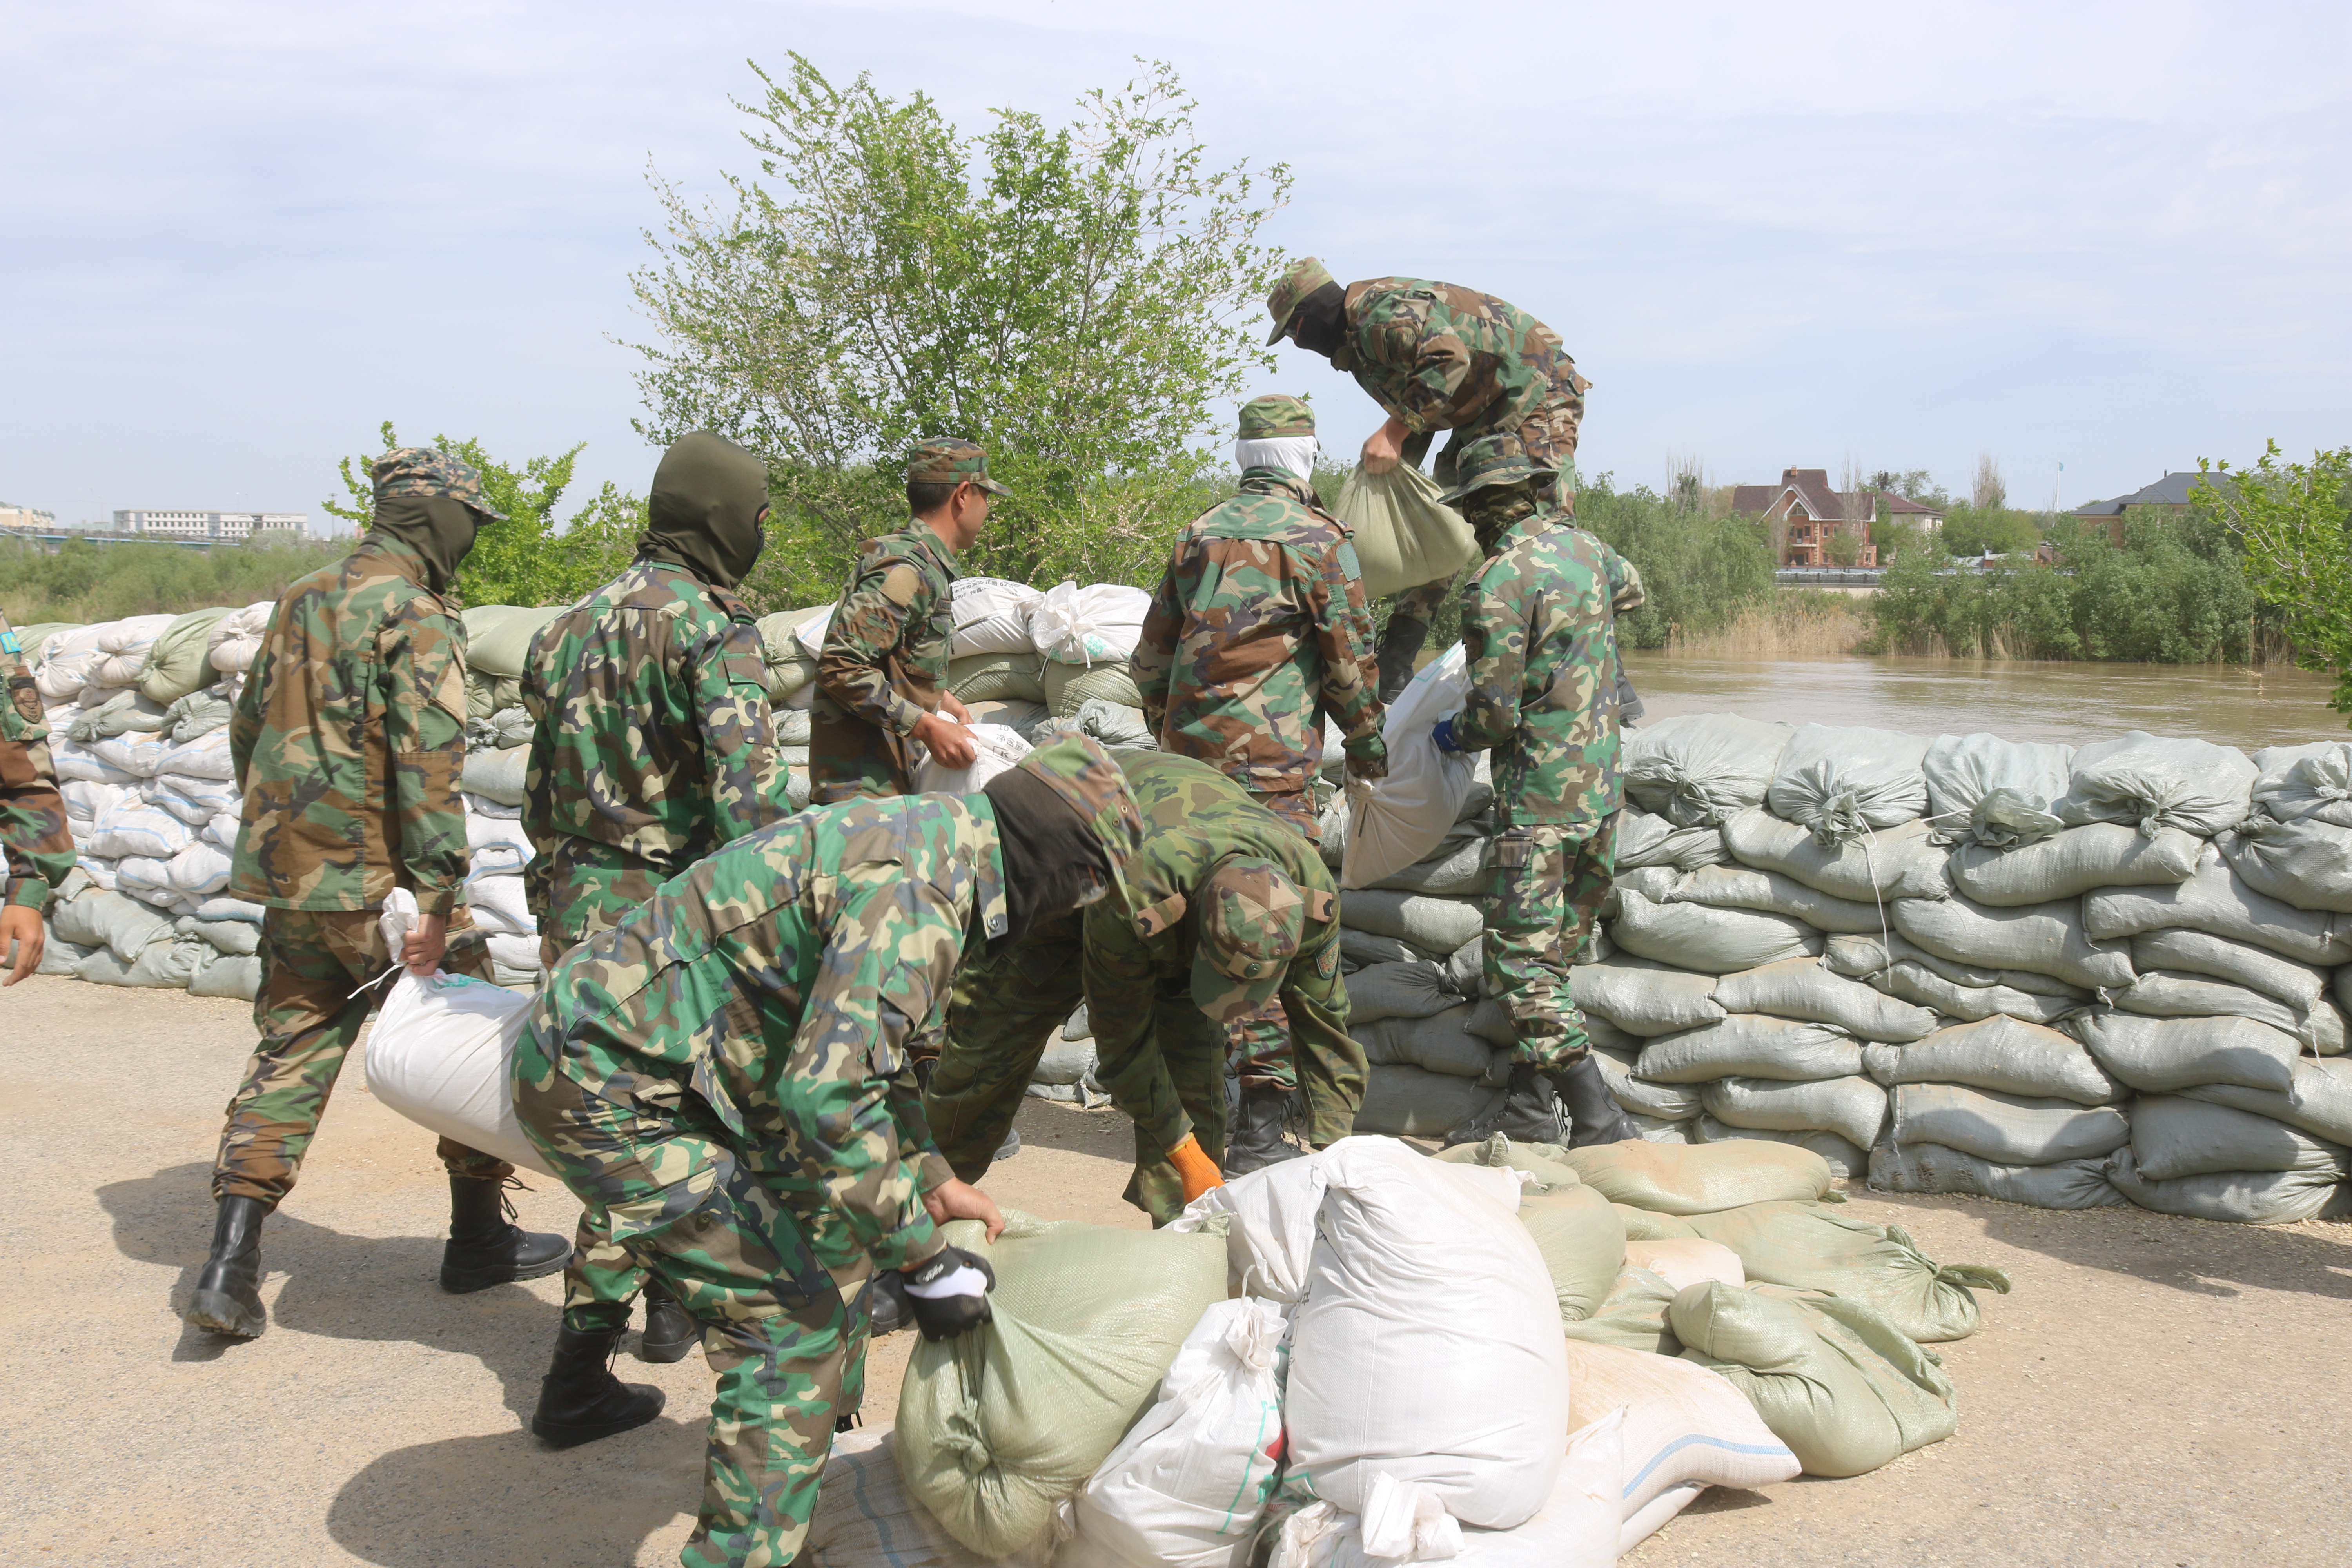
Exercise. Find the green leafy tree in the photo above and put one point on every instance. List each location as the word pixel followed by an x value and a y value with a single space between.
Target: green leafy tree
pixel 2294 522
pixel 1699 572
pixel 1076 298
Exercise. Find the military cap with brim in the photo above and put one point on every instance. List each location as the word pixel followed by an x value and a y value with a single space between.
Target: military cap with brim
pixel 1495 460
pixel 952 461
pixel 1277 415
pixel 1251 918
pixel 1305 276
pixel 429 471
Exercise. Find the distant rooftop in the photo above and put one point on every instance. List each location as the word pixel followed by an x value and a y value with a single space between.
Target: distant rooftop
pixel 2170 490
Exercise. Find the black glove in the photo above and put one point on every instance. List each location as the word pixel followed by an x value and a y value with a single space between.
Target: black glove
pixel 949 1292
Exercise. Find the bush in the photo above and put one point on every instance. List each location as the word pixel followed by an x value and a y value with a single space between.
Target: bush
pixel 85 582
pixel 1699 572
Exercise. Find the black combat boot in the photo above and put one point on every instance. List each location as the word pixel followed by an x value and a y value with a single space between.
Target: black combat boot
pixel 1594 1113
pixel 670 1329
pixel 486 1247
pixel 227 1299
pixel 580 1400
pixel 1528 1112
pixel 1257 1141
pixel 1010 1147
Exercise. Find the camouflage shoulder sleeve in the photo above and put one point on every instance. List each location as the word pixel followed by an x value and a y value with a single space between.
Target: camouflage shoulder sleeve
pixel 1119 978
pixel 421 649
pixel 886 593
pixel 1421 365
pixel 1495 646
pixel 1334 595
pixel 37 848
pixel 721 652
pixel 245 722
pixel 1625 590
pixel 1153 663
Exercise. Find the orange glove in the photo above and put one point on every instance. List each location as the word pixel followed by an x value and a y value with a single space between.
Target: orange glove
pixel 1195 1168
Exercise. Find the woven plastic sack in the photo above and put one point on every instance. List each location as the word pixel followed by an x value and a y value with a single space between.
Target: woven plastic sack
pixel 1639 1096
pixel 498 775
pixel 1644 841
pixel 1694 1179
pixel 166 965
pixel 1713 940
pixel 199 870
pixel 1840 782
pixel 1575 1228
pixel 2217 901
pixel 2160 1056
pixel 1396 821
pixel 2073 862
pixel 198 714
pixel 98 918
pixel 138 830
pixel 998 676
pixel 865 1517
pixel 1070 687
pixel 2161 993
pixel 990 615
pixel 1098 624
pixel 2041 939
pixel 1855 1107
pixel 2307 863
pixel 1843 1159
pixel 2152 782
pixel 1801 988
pixel 2299 986
pixel 1414 989
pixel 1684 1424
pixel 178 661
pixel 1440 1043
pixel 235 639
pixel 1750 1044
pixel 503 645
pixel 1771 892
pixel 2173 1136
pixel 1962 771
pixel 2318 1101
pixel 122 649
pixel 1903 862
pixel 1646 998
pixel 2010 1129
pixel 1923 985
pixel 2002 1053
pixel 1700 770
pixel 1434 925
pixel 1813 1247
pixel 1413 1102
pixel 2237 1197
pixel 2306 783
pixel 65 660
pixel 1932 1168
pixel 790 666
pixel 999 750
pixel 1404 535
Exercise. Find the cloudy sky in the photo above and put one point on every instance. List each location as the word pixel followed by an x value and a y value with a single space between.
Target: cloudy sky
pixel 241 235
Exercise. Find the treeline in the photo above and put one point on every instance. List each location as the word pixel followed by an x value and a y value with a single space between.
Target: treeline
pixel 85 583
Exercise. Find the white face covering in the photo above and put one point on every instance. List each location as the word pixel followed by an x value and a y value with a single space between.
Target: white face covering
pixel 1291 453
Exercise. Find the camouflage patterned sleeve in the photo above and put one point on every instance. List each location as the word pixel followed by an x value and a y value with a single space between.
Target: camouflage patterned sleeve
pixel 1153 662
pixel 1120 979
pixel 739 734
pixel 1625 590
pixel 1334 589
pixel 538 799
pixel 421 652
pixel 245 718
pixel 36 849
pixel 1423 374
pixel 1494 644
pixel 867 625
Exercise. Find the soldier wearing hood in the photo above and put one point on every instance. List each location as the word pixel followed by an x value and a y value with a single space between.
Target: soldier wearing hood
pixel 651 746
pixel 348 741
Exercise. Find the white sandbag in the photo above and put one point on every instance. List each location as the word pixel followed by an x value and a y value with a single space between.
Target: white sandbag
pixel 1845 1159
pixel 1802 988
pixel 199 870
pixel 2238 1197
pixel 1923 987
pixel 2306 783
pixel 1715 941
pixel 1772 893
pixel 2077 862
pixel 65 660
pixel 1404 535
pixel 2042 939
pixel 76 763
pixel 122 648
pixel 2003 1054
pixel 1853 1108
pixel 2218 903
pixel 236 637
pixel 487 836
pixel 1098 624
pixel 1644 840
pixel 1411 1103
pixel 2162 994
pixel 1396 821
pixel 1839 782
pixel 1902 862
pixel 207 756
pixel 1699 770
pixel 1932 1168
pixel 2299 986
pixel 87 801
pixel 2172 1136
pixel 990 615
pixel 1684 1422
pixel 499 905
pixel 2152 782
pixel 222 830
pixel 2307 864
pixel 140 756
pixel 2318 1101
pixel 148 878
pixel 1962 770
pixel 2006 1129
pixel 1000 750
pixel 1433 925
pixel 1414 989
pixel 192 800
pixel 1440 1043
pixel 1659 1101
pixel 1748 1045
pixel 1401 1240
pixel 2159 1056
pixel 138 830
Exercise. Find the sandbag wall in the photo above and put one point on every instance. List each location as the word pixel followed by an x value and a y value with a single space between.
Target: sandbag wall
pixel 2064 978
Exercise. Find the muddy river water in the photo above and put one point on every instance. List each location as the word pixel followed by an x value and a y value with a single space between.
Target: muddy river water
pixel 2073 703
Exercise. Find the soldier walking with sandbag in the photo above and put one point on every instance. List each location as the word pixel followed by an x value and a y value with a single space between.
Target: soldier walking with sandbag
pixel 37 848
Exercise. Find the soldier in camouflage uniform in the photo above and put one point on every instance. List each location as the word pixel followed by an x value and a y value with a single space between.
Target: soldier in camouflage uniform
pixel 1257 632
pixel 723 1078
pixel 1435 356
pixel 651 746
pixel 1538 627
pixel 37 851
pixel 881 674
pixel 349 741
pixel 1226 911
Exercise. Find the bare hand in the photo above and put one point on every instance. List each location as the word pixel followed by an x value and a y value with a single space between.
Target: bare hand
pixel 22 926
pixel 427 941
pixel 953 705
pixel 1384 447
pixel 950 744
pixel 952 1199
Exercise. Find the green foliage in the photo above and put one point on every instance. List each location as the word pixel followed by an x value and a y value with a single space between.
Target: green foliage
pixel 2293 521
pixel 1972 531
pixel 85 583
pixel 1074 297
pixel 1699 572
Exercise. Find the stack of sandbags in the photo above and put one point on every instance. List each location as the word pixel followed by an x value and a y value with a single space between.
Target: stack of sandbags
pixel 179 660
pixel 117 654
pixel 791 662
pixel 1085 636
pixel 1413 1000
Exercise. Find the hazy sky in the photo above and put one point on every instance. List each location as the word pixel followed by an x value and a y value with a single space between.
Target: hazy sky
pixel 239 236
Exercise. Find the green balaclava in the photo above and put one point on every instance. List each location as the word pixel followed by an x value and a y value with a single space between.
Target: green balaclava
pixel 709 497
pixel 432 502
pixel 1493 508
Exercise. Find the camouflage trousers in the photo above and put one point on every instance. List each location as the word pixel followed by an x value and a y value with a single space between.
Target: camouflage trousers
pixel 780 1288
pixel 309 1012
pixel 1543 891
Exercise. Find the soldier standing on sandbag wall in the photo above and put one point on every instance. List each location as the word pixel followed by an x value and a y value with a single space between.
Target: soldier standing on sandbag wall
pixel 349 741
pixel 1258 631
pixel 1226 911
pixel 651 746
pixel 879 675
pixel 1539 630
pixel 37 848
pixel 1437 356
pixel 723 1079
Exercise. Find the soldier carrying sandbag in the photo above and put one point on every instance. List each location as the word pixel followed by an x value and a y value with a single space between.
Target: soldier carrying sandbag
pixel 36 849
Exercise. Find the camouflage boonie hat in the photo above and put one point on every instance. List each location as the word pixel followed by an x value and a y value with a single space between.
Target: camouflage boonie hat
pixel 1305 276
pixel 429 471
pixel 1251 918
pixel 1081 770
pixel 950 461
pixel 1276 414
pixel 1495 460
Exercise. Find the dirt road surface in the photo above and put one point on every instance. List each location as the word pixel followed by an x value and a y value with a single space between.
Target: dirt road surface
pixel 2157 1392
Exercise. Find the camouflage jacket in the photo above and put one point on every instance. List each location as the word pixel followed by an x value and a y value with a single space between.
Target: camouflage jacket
pixel 350 738
pixel 1539 631
pixel 36 848
pixel 1142 941
pixel 884 662
pixel 651 731
pixel 1258 627
pixel 771 992
pixel 1442 357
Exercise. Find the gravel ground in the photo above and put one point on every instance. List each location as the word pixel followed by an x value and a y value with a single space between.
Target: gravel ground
pixel 2157 1392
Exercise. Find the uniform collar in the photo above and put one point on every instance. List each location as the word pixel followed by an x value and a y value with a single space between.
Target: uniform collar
pixel 923 535
pixel 398 555
pixel 1279 482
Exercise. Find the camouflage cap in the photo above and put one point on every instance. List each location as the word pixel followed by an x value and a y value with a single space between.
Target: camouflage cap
pixel 1081 770
pixel 950 461
pixel 1305 276
pixel 1276 414
pixel 429 471
pixel 1495 459
pixel 1251 918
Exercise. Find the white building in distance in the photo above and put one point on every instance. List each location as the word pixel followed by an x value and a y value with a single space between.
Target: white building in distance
pixel 229 527
pixel 15 516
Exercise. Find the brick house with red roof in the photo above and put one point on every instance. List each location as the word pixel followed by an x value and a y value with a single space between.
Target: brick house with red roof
pixel 1806 513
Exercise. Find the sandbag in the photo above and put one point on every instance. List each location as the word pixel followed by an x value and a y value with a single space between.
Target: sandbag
pixel 1685 1262
pixel 1684 1422
pixel 990 615
pixel 2217 901
pixel 1070 687
pixel 98 918
pixel 1751 1045
pixel 2318 1101
pixel 235 640
pixel 232 937
pixel 1661 1101
pixel 2237 1197
pixel 148 879
pixel 1410 1102
pixel 789 666
pixel 122 647
pixel 2007 1129
pixel 2173 1136
pixel 1713 940
pixel 1643 997
pixel 1000 751
pixel 2077 862
pixel 1962 770
pixel 2161 993
pixel 1655 883
pixel 1456 868
pixel 167 964
pixel 1633 1316
pixel 1932 1168
pixel 1644 841
pixel 1395 822
pixel 198 869
pixel 1834 1379
pixel 1843 1159
pixel 865 1517
pixel 1098 624
pixel 1902 862
pixel 1746 888
pixel 2300 783
pixel 126 712
pixel 1413 989
pixel 2003 1054
pixel 1404 535
pixel 2158 1056
pixel 199 712
pixel 1434 925
pixel 140 756
pixel 1813 1247
pixel 441 1055
pixel 1853 1108
pixel 1699 770
pixel 2042 939
pixel 1440 1043
pixel 1840 782
pixel 1802 988
pixel 228 975
pixel 1917 984
pixel 498 774
pixel 1693 1179
pixel 59 957
pixel 2307 864
pixel 997 678
pixel 178 661
pixel 2152 782
pixel 1581 1237
pixel 1118 728
pixel 140 830
pixel 502 646
pixel 65 660
pixel 2299 985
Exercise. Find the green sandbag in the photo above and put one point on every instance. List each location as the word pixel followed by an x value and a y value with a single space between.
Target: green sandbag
pixel 997 678
pixel 496 775
pixel 1633 1316
pixel 1834 1379
pixel 226 974
pixel 487 694
pixel 30 639
pixel 499 642
pixel 1070 687
pixel 1641 1225
pixel 1810 1246
pixel 180 660
pixel 1404 535
pixel 1701 1178
pixel 790 666
pixel 98 917
pixel 1581 1237
pixel 997 1425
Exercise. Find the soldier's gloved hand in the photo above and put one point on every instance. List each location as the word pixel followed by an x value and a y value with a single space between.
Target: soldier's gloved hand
pixel 949 1292
pixel 1195 1168
pixel 1443 736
